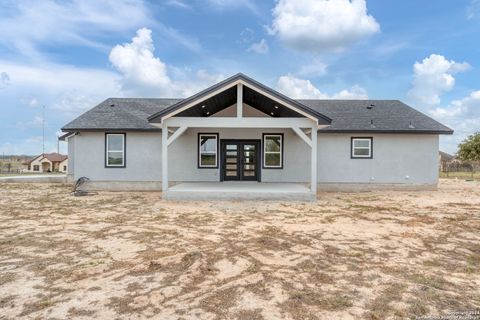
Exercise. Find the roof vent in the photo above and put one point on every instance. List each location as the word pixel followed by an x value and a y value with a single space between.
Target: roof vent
pixel 371 124
pixel 370 107
pixel 411 126
pixel 112 105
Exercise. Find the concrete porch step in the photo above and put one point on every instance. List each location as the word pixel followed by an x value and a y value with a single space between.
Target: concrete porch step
pixel 239 191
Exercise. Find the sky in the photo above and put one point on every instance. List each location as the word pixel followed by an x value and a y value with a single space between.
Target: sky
pixel 64 57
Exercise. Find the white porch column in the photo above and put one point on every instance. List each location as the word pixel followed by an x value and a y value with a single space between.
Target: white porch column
pixel 164 158
pixel 239 100
pixel 313 186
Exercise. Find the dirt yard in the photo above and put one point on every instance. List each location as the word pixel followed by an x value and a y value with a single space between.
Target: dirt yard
pixel 371 255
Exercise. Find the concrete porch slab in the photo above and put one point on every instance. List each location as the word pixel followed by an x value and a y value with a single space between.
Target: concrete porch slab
pixel 239 191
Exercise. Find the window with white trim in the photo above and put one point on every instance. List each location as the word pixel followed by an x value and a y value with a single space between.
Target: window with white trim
pixel 36 167
pixel 115 150
pixel 208 150
pixel 273 151
pixel 362 148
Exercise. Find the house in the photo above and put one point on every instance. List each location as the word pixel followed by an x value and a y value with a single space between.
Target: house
pixel 444 159
pixel 240 138
pixel 48 162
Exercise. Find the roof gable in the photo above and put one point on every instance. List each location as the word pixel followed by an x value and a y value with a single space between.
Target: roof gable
pixel 228 85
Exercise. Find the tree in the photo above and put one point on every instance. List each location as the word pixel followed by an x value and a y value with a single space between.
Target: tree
pixel 469 149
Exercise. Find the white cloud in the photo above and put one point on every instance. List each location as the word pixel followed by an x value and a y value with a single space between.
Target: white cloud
pixel 25 24
pixel 77 23
pixel 53 83
pixel 36 122
pixel 462 115
pixel 145 74
pixel 322 25
pixel 303 89
pixel 234 4
pixel 246 36
pixel 433 77
pixel 179 4
pixel 4 80
pixel 314 69
pixel 137 63
pixel 259 47
pixel 32 102
pixel 472 9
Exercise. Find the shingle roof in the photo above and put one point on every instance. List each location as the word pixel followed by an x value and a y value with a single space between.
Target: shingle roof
pixel 120 114
pixel 347 116
pixel 445 156
pixel 375 116
pixel 53 157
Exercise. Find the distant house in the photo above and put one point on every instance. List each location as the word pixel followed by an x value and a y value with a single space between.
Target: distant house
pixel 444 160
pixel 48 162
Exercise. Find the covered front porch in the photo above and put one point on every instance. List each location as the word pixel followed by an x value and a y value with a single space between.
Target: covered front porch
pixel 239 191
pixel 233 121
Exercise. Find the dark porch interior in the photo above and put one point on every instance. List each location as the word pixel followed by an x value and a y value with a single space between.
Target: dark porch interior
pixel 228 98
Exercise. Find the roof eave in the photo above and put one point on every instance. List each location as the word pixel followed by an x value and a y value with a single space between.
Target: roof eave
pixel 153 129
pixel 446 132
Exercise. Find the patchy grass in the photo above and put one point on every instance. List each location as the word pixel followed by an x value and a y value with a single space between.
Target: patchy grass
pixel 369 255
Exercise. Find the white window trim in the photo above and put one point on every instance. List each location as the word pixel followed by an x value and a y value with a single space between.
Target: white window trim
pixel 369 148
pixel 200 152
pixel 265 152
pixel 122 151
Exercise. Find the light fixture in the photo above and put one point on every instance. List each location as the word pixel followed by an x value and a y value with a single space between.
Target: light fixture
pixel 272 113
pixel 276 107
pixel 203 106
pixel 208 112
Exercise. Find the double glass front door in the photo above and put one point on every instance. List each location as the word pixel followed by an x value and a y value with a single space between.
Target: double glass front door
pixel 240 160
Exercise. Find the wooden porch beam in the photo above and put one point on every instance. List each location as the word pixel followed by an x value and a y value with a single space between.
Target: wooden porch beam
pixel 176 134
pixel 239 100
pixel 164 159
pixel 313 187
pixel 302 135
pixel 234 122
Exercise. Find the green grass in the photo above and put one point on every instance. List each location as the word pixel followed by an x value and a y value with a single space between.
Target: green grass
pixel 460 175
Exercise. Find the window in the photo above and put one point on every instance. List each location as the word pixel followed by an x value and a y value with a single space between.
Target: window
pixel 115 150
pixel 64 168
pixel 273 151
pixel 208 150
pixel 36 167
pixel 362 148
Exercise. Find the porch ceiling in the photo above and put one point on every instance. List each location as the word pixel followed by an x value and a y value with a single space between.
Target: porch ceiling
pixel 228 98
pixel 212 105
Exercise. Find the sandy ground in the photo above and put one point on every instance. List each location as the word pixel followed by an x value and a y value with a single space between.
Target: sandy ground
pixel 375 255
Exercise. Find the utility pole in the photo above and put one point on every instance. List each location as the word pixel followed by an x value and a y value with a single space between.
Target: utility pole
pixel 43 130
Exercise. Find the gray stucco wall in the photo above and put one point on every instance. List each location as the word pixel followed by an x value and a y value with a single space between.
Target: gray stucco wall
pixel 397 159
pixel 143 157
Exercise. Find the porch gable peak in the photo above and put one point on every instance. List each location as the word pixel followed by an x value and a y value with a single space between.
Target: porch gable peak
pixel 237 90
